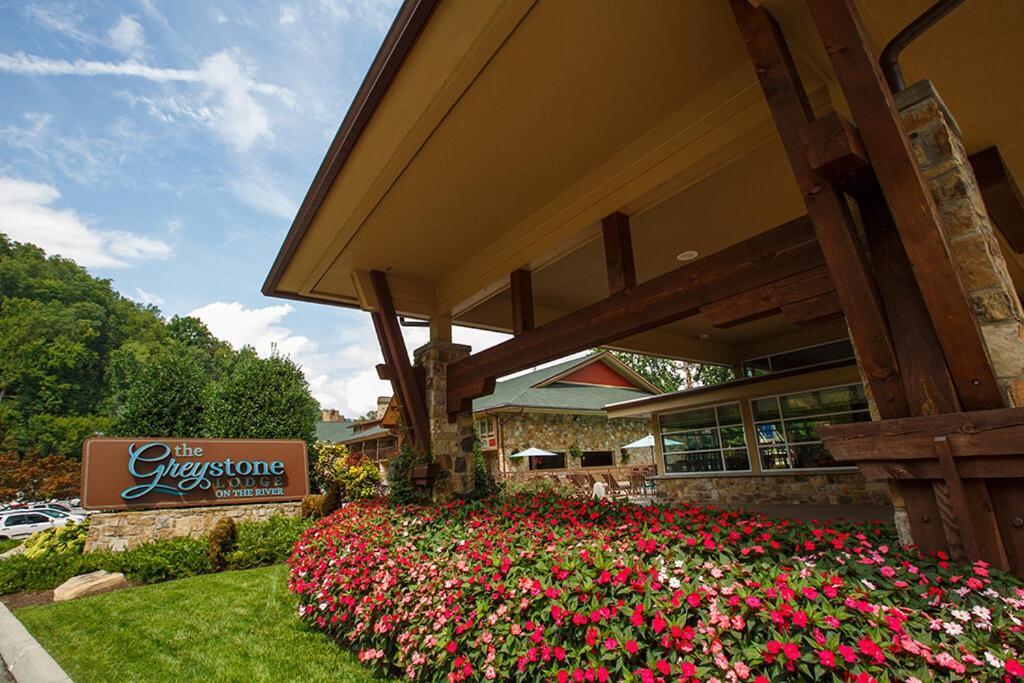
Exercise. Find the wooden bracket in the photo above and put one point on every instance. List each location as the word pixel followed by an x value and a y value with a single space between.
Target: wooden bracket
pixel 618 252
pixel 834 150
pixel 521 291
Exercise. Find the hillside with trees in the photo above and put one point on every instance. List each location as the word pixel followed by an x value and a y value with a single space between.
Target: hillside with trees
pixel 77 358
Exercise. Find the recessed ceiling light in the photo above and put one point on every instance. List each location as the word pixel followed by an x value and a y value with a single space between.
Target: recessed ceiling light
pixel 688 255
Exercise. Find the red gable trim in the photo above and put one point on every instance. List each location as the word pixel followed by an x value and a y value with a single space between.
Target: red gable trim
pixel 598 374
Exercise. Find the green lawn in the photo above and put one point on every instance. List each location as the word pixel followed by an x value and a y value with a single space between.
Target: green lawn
pixel 235 626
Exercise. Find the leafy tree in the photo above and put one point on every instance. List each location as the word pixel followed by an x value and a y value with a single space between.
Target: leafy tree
pixel 163 397
pixel 262 398
pixel 35 477
pixel 673 375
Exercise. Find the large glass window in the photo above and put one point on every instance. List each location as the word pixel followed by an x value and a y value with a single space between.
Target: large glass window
pixel 800 358
pixel 705 440
pixel 787 426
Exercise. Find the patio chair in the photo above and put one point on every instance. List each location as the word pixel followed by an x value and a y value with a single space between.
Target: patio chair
pixel 615 489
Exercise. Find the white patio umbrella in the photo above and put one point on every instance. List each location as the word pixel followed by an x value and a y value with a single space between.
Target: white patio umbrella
pixel 645 442
pixel 532 452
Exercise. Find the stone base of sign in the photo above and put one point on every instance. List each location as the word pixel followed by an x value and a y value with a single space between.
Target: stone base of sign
pixel 89 584
pixel 122 530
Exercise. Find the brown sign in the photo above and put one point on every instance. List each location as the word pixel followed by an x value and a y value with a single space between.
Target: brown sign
pixel 152 473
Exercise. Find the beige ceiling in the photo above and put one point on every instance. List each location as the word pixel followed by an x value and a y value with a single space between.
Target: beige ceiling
pixel 513 127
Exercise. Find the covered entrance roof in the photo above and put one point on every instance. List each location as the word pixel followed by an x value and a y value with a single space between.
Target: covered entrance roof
pixel 494 136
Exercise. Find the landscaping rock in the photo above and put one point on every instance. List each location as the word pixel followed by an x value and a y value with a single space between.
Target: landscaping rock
pixel 16 550
pixel 89 584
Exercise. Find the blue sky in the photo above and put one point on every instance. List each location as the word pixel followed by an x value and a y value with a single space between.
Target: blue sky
pixel 166 145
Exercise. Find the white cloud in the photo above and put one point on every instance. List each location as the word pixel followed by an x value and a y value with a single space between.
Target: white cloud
pixel 27 215
pixel 127 36
pixel 257 327
pixel 260 192
pixel 147 298
pixel 288 15
pixel 227 104
pixel 62 19
pixel 174 226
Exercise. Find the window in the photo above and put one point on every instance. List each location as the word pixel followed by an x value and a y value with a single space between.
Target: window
pixel 799 358
pixel 14 520
pixel 487 431
pixel 705 440
pixel 596 459
pixel 548 462
pixel 787 426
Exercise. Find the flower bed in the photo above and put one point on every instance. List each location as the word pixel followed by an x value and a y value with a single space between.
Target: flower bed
pixel 545 588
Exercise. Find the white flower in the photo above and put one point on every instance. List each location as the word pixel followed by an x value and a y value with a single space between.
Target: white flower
pixel 952 628
pixel 982 613
pixel 961 615
pixel 993 661
pixel 674 583
pixel 870 586
pixel 678 564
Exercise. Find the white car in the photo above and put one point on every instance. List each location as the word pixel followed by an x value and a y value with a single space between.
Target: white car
pixel 57 513
pixel 24 523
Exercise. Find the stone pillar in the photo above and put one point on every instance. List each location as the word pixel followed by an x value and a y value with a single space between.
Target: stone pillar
pixel 451 443
pixel 938 145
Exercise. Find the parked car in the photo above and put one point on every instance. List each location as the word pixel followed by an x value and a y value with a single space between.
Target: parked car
pixel 24 523
pixel 55 513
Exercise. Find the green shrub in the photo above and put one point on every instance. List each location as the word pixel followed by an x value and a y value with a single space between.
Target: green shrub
pixel 256 544
pixel 354 477
pixel 69 538
pixel 312 506
pixel 9 544
pixel 20 573
pixel 263 543
pixel 220 542
pixel 173 558
pixel 536 487
pixel 401 490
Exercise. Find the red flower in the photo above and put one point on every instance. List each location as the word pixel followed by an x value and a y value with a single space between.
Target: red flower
pixel 451 647
pixel 1014 668
pixel 658 624
pixel 664 667
pixel 631 647
pixel 827 658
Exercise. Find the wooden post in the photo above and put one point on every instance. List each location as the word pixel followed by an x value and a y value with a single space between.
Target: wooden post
pixel 522 301
pixel 618 252
pixel 913 210
pixel 827 207
pixel 389 334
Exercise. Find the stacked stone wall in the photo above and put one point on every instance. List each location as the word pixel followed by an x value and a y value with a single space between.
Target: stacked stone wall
pixel 560 432
pixel 123 530
pixel 838 488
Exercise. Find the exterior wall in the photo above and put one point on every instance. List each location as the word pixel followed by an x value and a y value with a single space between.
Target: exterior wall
pixel 122 530
pixel 973 244
pixel 798 487
pixel 811 488
pixel 559 432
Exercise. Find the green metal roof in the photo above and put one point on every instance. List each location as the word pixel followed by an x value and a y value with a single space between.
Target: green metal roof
pixel 333 431
pixel 365 434
pixel 520 392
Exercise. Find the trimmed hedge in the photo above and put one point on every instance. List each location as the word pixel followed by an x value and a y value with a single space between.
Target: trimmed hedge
pixel 258 544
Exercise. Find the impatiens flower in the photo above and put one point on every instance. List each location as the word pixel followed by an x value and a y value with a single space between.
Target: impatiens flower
pixel 1014 668
pixel 827 658
pixel 631 647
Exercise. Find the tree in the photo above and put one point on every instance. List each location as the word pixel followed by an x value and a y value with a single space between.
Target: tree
pixel 262 398
pixel 163 397
pixel 674 375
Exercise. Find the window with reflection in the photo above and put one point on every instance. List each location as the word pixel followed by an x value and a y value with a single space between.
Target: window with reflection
pixel 705 440
pixel 786 426
pixel 799 358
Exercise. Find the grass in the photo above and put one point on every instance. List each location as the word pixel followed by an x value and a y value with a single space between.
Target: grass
pixel 234 626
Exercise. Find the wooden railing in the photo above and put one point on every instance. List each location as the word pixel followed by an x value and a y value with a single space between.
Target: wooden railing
pixel 960 477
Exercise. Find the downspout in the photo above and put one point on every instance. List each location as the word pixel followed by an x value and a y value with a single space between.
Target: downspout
pixel 890 57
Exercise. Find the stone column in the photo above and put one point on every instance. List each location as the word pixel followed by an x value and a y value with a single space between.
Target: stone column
pixel 938 145
pixel 451 443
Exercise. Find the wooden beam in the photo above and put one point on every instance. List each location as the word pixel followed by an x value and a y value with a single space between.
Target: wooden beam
pixel 773 255
pixel 618 252
pixel 827 207
pixel 913 208
pixel 389 333
pixel 815 310
pixel 923 366
pixel 834 149
pixel 384 372
pixel 522 301
pixel 768 300
pixel 1001 194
